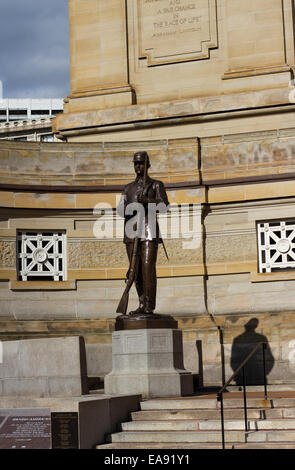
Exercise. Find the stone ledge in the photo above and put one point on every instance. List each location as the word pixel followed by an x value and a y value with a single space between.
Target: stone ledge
pixel 100 91
pixel 267 277
pixel 44 285
pixel 253 72
pixel 163 271
pixel 170 109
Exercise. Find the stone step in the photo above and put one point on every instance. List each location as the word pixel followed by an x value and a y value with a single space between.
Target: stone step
pixel 160 445
pixel 212 403
pixel 186 425
pixel 288 412
pixel 273 424
pixel 259 388
pixel 201 403
pixel 212 414
pixel 179 404
pixel 175 425
pixel 264 445
pixel 177 436
pixel 194 445
pixel 207 425
pixel 203 436
pixel 194 423
pixel 288 437
pixel 276 403
pixel 255 425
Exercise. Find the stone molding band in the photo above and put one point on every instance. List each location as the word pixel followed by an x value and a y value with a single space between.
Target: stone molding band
pixel 170 186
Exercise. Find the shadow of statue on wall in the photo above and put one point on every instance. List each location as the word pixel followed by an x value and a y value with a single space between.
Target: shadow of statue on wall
pixel 242 347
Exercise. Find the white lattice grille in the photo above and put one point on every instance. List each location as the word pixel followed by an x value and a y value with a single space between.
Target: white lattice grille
pixel 276 244
pixel 41 255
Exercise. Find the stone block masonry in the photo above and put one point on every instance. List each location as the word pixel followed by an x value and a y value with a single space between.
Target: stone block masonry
pixel 47 367
pixel 148 362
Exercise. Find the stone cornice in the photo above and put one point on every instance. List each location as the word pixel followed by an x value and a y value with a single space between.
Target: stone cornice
pixel 14 126
pixel 140 113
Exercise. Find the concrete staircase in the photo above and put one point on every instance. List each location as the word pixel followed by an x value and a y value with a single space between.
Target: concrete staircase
pixel 194 423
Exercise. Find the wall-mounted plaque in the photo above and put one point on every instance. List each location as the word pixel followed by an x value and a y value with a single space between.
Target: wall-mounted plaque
pixel 64 430
pixel 25 429
pixel 170 31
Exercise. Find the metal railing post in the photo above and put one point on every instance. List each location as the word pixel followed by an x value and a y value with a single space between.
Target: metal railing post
pixel 241 367
pixel 264 371
pixel 220 398
pixel 245 400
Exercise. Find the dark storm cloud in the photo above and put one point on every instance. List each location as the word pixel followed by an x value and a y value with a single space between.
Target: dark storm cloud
pixel 34 48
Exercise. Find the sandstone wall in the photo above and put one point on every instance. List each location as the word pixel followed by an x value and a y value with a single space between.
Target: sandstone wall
pixel 229 181
pixel 145 69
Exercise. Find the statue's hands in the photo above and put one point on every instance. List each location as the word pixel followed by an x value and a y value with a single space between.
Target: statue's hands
pixel 142 199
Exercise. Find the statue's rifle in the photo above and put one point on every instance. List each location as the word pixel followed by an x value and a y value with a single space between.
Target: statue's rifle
pixel 132 271
pixel 131 276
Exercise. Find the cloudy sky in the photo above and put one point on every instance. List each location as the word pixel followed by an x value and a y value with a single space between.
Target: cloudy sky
pixel 34 48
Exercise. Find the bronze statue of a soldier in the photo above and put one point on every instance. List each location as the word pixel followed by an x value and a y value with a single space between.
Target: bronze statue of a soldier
pixel 145 196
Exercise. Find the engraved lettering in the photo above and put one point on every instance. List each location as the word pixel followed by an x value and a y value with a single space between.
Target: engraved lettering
pixel 191 25
pixel 172 13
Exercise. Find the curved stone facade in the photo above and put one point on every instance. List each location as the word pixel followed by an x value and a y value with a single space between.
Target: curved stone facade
pixel 213 284
pixel 218 123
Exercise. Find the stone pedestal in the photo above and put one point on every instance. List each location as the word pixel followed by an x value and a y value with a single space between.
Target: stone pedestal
pixel 145 321
pixel 148 362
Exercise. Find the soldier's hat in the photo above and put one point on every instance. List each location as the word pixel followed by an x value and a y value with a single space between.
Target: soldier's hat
pixel 141 157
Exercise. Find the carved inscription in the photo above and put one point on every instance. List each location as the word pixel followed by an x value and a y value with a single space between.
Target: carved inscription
pixel 23 429
pixel 176 30
pixel 176 19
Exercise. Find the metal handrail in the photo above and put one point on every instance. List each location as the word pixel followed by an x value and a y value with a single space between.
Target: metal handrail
pixel 242 367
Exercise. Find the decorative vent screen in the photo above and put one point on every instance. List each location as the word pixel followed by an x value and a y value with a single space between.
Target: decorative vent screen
pixel 41 255
pixel 276 244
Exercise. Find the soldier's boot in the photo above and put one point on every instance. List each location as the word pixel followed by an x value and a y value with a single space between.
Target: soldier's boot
pixel 148 307
pixel 138 311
